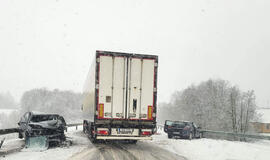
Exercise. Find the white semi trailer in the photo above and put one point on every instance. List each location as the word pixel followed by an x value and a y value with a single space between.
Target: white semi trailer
pixel 120 96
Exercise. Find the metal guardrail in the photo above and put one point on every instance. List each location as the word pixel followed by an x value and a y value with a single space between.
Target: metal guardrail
pixel 16 130
pixel 241 135
pixel 9 131
pixel 74 125
pixel 1 142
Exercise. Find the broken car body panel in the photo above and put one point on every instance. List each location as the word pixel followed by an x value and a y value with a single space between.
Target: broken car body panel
pixel 42 129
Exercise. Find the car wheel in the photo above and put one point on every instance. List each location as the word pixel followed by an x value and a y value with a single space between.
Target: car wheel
pixel 20 135
pixel 169 136
pixel 190 136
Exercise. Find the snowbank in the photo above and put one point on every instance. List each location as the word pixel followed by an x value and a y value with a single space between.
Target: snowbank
pixel 80 142
pixel 209 149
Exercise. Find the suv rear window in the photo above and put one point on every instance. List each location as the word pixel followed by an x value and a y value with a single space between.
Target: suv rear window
pixel 169 123
pixel 179 124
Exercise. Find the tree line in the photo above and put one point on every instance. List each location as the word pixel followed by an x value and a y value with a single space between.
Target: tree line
pixel 7 101
pixel 214 105
pixel 65 103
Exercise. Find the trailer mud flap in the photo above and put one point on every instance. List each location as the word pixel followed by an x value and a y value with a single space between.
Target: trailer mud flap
pixel 37 143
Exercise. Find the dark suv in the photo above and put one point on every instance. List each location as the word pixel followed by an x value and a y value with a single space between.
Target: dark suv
pixel 37 124
pixel 184 129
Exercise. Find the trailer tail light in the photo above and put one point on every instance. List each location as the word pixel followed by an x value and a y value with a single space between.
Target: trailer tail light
pixel 102 131
pixel 101 111
pixel 146 132
pixel 150 112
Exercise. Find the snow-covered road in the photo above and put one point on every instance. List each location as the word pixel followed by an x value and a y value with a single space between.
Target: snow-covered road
pixel 122 151
pixel 159 148
pixel 82 149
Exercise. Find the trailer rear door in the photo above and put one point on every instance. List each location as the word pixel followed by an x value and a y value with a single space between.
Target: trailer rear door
pixel 141 88
pixel 119 87
pixel 126 86
pixel 112 90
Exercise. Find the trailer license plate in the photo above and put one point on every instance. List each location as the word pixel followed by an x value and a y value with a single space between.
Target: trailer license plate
pixel 125 131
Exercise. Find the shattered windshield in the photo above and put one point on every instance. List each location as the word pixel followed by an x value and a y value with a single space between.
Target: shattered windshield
pixel 40 118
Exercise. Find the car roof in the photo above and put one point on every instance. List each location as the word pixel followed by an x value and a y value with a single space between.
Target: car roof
pixel 42 113
pixel 183 121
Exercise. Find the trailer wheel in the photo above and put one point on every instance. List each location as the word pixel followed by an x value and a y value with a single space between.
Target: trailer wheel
pixel 93 140
pixel 93 137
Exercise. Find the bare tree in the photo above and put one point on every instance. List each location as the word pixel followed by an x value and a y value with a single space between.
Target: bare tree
pixel 213 104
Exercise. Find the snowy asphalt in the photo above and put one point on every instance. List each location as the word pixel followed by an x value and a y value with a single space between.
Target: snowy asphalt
pixel 124 151
pixel 159 148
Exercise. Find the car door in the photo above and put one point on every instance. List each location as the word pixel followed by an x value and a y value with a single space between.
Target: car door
pixel 24 121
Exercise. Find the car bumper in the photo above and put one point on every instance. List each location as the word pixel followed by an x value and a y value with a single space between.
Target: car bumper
pixel 180 134
pixel 124 138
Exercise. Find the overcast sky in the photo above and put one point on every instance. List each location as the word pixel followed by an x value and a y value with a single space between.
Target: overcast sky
pixel 51 43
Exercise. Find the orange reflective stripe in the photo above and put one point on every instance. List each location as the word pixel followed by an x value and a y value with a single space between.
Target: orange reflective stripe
pixel 150 111
pixel 101 111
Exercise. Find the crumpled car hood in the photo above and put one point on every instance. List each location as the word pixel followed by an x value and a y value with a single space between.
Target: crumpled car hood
pixel 51 124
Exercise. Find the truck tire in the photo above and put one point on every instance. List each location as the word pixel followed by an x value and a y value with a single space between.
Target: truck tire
pixel 169 136
pixel 93 139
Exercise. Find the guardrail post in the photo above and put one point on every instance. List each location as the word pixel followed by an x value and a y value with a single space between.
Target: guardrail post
pixel 1 142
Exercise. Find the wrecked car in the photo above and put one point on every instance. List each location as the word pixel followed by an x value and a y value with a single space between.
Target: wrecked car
pixel 44 128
